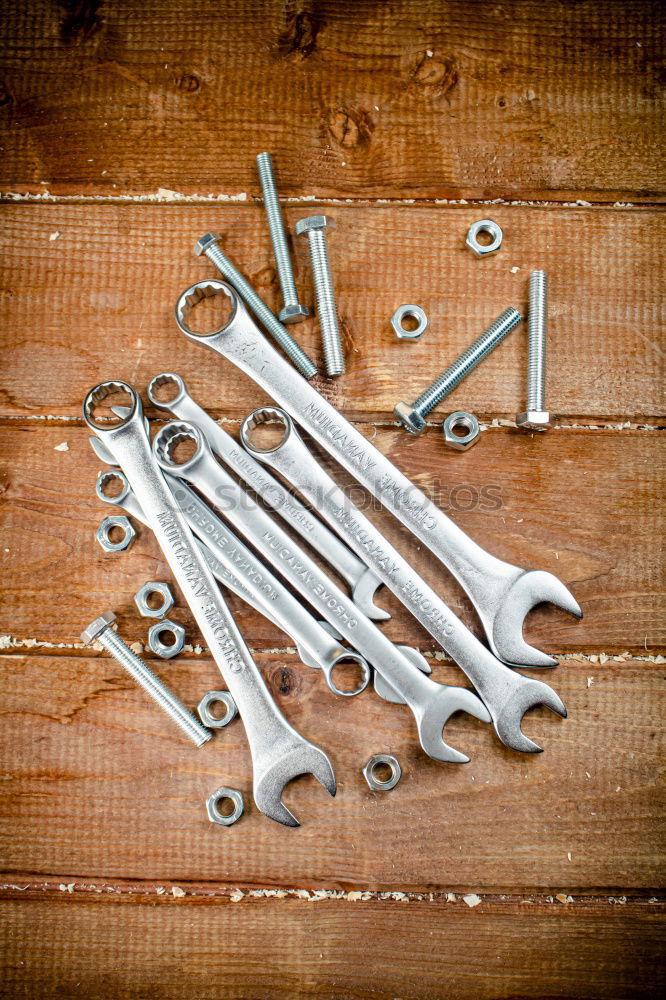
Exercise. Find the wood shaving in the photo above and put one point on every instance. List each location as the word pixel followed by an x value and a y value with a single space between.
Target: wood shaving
pixel 63 446
pixel 177 891
pixel 472 899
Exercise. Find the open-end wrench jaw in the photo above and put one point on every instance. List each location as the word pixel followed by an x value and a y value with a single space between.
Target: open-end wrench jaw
pixel 504 624
pixel 430 721
pixel 520 694
pixel 289 763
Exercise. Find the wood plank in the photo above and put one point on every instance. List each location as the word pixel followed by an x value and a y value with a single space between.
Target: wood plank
pixel 98 784
pixel 511 493
pixel 98 301
pixel 421 99
pixel 260 949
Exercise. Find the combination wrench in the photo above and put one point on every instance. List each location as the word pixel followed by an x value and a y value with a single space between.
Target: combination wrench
pixel 506 694
pixel 279 752
pixel 236 567
pixel 501 593
pixel 431 703
pixel 362 581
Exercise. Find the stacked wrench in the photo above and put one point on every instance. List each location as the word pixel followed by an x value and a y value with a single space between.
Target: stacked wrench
pixel 232 563
pixel 279 752
pixel 362 581
pixel 431 703
pixel 501 593
pixel 506 694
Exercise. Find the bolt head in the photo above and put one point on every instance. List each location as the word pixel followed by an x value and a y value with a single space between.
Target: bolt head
pixel 314 222
pixel 96 627
pixel 205 242
pixel 293 313
pixel 409 418
pixel 534 420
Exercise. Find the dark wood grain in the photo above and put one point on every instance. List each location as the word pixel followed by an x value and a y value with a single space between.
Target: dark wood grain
pixel 98 301
pixel 264 948
pixel 421 99
pixel 98 783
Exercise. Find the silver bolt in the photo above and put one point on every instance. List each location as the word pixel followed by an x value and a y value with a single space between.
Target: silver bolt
pixel 209 244
pixel 536 417
pixel 314 227
pixel 412 417
pixel 293 311
pixel 100 630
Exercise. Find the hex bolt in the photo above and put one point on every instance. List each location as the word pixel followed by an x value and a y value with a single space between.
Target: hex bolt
pixel 209 244
pixel 413 417
pixel 536 417
pixel 314 227
pixel 293 311
pixel 100 630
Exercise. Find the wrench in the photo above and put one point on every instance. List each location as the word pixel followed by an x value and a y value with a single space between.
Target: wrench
pixel 362 581
pixel 279 752
pixel 326 664
pixel 227 558
pixel 501 593
pixel 506 694
pixel 431 703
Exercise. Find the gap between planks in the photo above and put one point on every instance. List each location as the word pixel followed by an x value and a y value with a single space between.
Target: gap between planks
pixel 166 892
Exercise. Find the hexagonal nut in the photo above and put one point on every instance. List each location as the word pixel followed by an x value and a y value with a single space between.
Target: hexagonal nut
pixel 214 801
pixel 142 599
pixel 161 648
pixel 377 761
pixel 461 442
pixel 411 312
pixel 103 533
pixel 204 708
pixel 410 418
pixel 534 420
pixel 484 226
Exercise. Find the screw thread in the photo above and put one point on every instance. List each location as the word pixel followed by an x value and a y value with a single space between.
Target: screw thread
pixel 276 229
pixel 537 350
pixel 467 361
pixel 153 686
pixel 326 308
pixel 296 354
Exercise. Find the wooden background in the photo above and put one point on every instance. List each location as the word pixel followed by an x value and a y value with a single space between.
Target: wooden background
pixel 128 130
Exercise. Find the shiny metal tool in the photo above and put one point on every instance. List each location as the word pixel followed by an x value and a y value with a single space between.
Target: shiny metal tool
pixel 506 694
pixel 236 567
pixel 432 704
pixel 362 581
pixel 279 752
pixel 501 593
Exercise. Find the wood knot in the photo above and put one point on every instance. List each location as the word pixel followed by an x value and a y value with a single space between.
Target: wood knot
pixel 351 129
pixel 436 75
pixel 300 34
pixel 265 278
pixel 283 680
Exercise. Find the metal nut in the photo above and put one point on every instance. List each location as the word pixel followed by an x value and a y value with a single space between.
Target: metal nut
pixel 161 648
pixel 213 806
pixel 213 698
pixel 142 599
pixel 484 226
pixel 414 312
pixel 103 533
pixel 461 442
pixel 376 761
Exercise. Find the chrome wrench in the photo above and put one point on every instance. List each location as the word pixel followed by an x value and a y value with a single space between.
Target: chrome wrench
pixel 234 566
pixel 279 752
pixel 362 581
pixel 501 593
pixel 432 704
pixel 506 694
